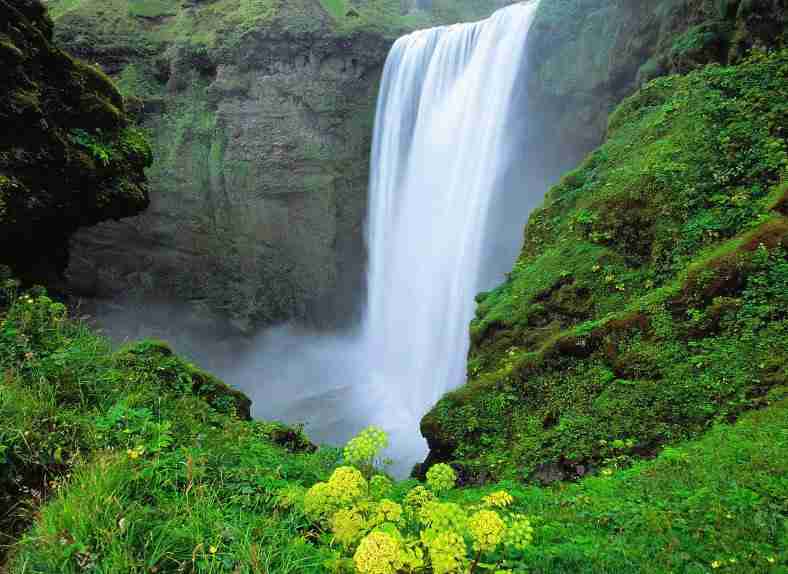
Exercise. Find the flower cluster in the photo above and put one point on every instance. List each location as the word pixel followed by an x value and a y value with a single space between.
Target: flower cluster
pixel 347 525
pixel 378 553
pixel 380 531
pixel 417 497
pixel 387 511
pixel 442 516
pixel 487 529
pixel 366 446
pixel 447 552
pixel 346 486
pixel 499 499
pixel 441 478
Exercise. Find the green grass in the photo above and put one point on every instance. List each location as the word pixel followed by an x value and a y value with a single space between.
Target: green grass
pixel 136 461
pixel 721 501
pixel 337 8
pixel 144 456
pixel 152 8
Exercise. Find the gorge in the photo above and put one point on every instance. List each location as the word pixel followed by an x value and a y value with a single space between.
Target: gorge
pixel 557 252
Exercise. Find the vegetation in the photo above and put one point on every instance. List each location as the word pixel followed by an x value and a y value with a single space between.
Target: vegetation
pixel 136 461
pixel 649 300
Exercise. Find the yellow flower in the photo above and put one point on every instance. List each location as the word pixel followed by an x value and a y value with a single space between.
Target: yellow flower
pixel 500 499
pixel 347 526
pixel 487 529
pixel 345 487
pixel 387 511
pixel 441 477
pixel 378 553
pixel 447 552
pixel 318 502
pixel 213 549
pixel 347 484
pixel 443 516
pixel 716 564
pixel 417 497
pixel 363 448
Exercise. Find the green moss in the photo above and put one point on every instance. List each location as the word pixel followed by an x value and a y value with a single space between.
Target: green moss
pixel 152 8
pixel 644 305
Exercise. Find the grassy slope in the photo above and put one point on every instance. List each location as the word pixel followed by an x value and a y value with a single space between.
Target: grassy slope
pixel 148 457
pixel 142 464
pixel 650 297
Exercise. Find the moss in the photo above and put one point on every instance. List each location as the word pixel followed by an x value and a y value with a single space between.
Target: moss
pixel 646 302
pixel 153 358
pixel 75 164
pixel 152 8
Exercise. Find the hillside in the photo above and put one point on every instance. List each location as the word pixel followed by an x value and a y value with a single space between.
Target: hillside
pixel 649 300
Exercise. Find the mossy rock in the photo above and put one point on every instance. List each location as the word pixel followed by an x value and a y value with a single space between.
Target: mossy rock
pixel 64 149
pixel 155 359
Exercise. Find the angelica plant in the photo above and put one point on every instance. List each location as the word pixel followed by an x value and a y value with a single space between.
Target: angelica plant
pixel 373 531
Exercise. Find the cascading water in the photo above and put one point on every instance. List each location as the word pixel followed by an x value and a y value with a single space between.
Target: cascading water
pixel 444 131
pixel 441 144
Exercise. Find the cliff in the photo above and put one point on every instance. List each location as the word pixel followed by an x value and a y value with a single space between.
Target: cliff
pixel 69 156
pixel 587 55
pixel 262 119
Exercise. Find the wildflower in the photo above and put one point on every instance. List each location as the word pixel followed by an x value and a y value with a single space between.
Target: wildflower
pixel 441 478
pixel 378 553
pixel 716 564
pixel 387 511
pixel 487 529
pixel 318 502
pixel 447 552
pixel 347 526
pixel 499 499
pixel 443 516
pixel 347 484
pixel 363 448
pixel 417 497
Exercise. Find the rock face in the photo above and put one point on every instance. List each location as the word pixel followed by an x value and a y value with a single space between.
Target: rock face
pixel 261 114
pixel 587 55
pixel 68 156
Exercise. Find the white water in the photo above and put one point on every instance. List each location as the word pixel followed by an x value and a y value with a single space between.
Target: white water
pixel 443 135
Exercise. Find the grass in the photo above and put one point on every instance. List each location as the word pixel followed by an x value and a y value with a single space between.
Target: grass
pixel 136 461
pixel 147 460
pixel 337 8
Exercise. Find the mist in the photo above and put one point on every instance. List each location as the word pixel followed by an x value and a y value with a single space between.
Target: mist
pixel 337 382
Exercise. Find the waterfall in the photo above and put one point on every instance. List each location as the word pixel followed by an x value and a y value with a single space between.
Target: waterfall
pixel 446 126
pixel 440 146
